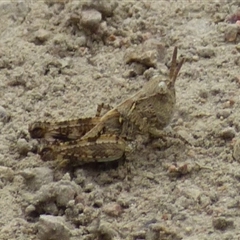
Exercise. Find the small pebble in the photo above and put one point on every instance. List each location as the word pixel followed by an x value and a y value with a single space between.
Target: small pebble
pixel 112 209
pixel 225 113
pixel 23 146
pixel 148 175
pixel 29 209
pixel 148 54
pixel 195 58
pixel 66 177
pixel 71 203
pixel 91 19
pixel 51 227
pixel 228 133
pixel 106 7
pixel 188 229
pixel 41 36
pixel 89 187
pixel 146 58
pixel 206 52
pixel 231 33
pixel 98 203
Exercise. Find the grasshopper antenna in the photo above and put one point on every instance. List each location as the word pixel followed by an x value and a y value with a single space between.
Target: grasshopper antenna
pixel 175 68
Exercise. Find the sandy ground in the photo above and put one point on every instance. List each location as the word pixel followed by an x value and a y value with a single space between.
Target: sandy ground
pixel 59 59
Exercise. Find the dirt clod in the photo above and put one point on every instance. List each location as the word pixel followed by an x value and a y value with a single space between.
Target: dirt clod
pixel 23 146
pixel 112 209
pixel 228 133
pixel 37 177
pixel 51 227
pixel 206 52
pixel 231 33
pixel 106 7
pixel 91 19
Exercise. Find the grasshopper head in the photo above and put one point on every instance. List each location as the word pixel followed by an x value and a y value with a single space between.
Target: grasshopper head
pixel 159 84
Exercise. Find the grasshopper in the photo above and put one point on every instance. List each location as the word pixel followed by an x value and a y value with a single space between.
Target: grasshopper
pixel 106 138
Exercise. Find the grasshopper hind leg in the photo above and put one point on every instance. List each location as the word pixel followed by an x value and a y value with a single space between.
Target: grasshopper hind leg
pixel 106 148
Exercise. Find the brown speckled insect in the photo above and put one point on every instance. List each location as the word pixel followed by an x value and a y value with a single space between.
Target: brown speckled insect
pixel 105 138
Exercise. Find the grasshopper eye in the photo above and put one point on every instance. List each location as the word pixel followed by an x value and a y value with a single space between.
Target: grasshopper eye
pixel 162 87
